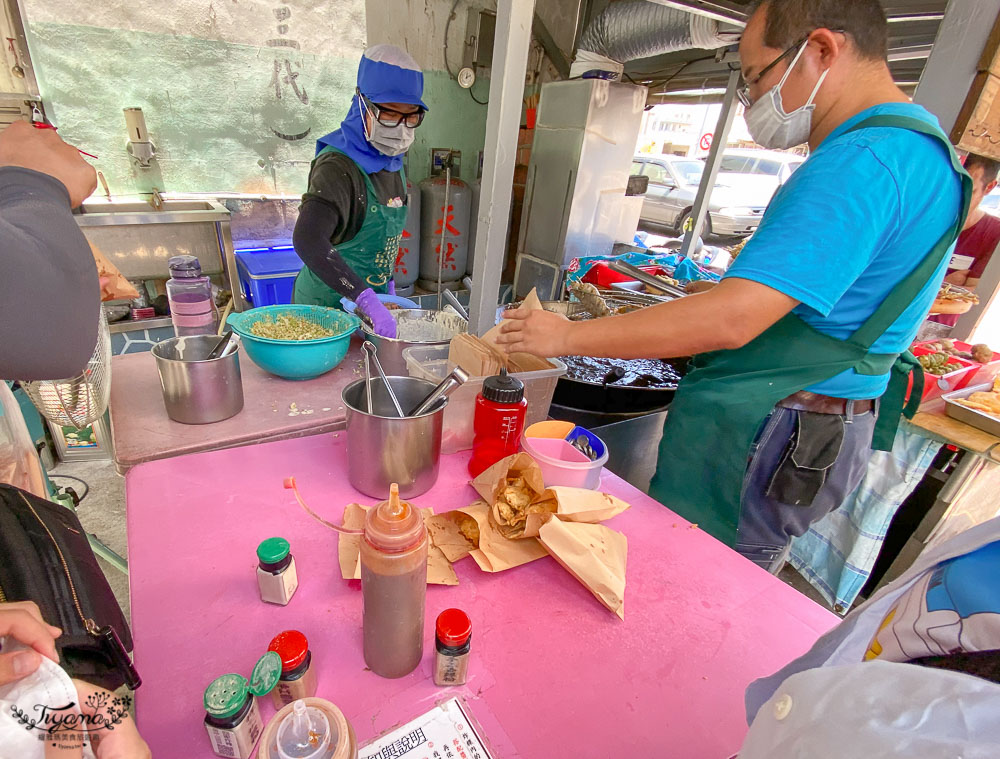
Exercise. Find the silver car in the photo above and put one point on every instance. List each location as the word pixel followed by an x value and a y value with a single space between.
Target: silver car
pixel 673 184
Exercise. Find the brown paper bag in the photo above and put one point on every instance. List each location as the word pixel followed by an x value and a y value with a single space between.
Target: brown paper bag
pixel 493 484
pixel 594 554
pixel 576 505
pixel 439 569
pixel 520 362
pixel 478 358
pixel 491 550
pixel 114 286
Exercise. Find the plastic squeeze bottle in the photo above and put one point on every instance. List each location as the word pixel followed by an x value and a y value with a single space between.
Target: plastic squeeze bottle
pixel 498 421
pixel 393 586
pixel 192 307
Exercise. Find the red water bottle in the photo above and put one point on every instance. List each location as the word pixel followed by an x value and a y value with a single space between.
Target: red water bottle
pixel 498 421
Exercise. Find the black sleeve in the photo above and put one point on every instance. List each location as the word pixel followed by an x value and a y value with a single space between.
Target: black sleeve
pixel 332 211
pixel 49 290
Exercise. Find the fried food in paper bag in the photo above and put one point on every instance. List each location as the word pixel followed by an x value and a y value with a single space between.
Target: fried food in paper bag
pixel 468 526
pixel 514 503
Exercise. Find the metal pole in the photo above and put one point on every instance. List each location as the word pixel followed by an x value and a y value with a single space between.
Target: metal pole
pixel 719 141
pixel 510 61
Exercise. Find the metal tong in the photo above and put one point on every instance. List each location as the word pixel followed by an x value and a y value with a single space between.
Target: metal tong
pixel 647 279
pixel 372 352
pixel 457 377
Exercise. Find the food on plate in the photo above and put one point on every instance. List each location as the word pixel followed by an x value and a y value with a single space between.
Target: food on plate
pixel 288 327
pixel 982 353
pixel 938 363
pixel 952 299
pixel 985 402
pixel 666 280
pixel 591 298
pixel 514 504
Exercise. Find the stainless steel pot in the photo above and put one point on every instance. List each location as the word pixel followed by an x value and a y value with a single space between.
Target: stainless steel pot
pixel 383 448
pixel 197 391
pixel 414 326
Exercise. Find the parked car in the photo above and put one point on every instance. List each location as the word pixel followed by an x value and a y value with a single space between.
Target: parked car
pixel 766 166
pixel 673 184
pixel 991 203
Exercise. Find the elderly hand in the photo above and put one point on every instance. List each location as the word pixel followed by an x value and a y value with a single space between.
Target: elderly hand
pixel 44 151
pixel 124 741
pixel 22 620
pixel 541 333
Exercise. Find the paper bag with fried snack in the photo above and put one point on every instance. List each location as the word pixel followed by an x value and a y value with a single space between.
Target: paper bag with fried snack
pixel 575 505
pixel 470 532
pixel 514 489
pixel 114 286
pixel 439 569
pixel 594 554
pixel 519 361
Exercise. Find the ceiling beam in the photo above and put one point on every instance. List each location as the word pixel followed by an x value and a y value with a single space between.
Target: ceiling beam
pixel 720 10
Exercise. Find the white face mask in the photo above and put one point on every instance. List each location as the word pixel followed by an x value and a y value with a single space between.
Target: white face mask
pixel 391 141
pixel 768 123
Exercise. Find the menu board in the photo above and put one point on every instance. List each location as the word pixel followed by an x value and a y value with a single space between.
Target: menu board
pixel 445 732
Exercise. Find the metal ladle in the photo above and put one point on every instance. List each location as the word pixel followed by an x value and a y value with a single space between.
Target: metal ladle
pixel 372 352
pixel 457 377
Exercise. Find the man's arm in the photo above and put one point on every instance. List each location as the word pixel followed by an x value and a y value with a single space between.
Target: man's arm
pixel 961 278
pixel 49 290
pixel 726 317
pixel 316 224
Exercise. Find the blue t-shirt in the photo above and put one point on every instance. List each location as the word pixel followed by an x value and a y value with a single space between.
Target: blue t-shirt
pixel 849 225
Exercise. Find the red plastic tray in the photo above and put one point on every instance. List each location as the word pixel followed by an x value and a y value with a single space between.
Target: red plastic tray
pixel 602 275
pixel 935 385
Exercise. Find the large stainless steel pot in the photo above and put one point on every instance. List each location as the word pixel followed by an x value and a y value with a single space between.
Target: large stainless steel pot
pixel 414 326
pixel 383 448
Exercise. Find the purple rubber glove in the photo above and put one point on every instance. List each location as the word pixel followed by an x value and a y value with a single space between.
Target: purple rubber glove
pixel 391 288
pixel 373 308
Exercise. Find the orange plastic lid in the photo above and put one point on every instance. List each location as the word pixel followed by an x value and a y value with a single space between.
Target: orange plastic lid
pixel 394 526
pixel 292 647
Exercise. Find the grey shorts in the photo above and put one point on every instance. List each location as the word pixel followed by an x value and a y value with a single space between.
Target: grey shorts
pixel 803 465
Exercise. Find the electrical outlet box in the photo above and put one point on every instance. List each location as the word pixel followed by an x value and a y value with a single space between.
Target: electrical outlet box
pixel 439 159
pixel 479 35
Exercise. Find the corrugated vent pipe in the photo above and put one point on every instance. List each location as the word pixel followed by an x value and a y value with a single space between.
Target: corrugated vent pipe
pixel 632 29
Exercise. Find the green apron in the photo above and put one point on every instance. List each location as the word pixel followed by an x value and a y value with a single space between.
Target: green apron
pixel 722 403
pixel 371 253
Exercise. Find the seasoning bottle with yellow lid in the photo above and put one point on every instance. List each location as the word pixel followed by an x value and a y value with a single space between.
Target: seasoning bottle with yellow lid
pixel 232 716
pixel 298 678
pixel 276 574
pixel 393 586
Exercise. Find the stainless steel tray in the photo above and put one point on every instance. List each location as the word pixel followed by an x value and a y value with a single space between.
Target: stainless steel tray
pixel 971 417
pixel 636 288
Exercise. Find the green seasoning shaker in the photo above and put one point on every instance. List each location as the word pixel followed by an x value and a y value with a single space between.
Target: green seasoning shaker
pixel 276 575
pixel 232 717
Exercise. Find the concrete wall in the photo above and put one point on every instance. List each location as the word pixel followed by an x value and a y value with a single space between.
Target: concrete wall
pixel 234 94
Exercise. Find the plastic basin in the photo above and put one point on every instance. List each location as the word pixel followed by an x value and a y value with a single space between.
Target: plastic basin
pixel 296 359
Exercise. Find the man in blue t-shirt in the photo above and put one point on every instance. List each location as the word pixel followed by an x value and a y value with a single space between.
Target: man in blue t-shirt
pixel 853 228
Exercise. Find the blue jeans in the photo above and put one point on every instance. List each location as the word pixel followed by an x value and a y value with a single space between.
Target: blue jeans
pixel 802 466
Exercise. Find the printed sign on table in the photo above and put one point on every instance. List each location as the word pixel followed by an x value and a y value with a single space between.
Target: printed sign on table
pixel 445 732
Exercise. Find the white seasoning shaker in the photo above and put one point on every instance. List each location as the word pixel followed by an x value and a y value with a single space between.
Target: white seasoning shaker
pixel 276 575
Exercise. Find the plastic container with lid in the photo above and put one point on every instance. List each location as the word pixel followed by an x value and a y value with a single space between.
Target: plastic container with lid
pixel 550 444
pixel 430 362
pixel 268 276
pixel 276 574
pixel 452 643
pixel 192 306
pixel 498 421
pixel 298 677
pixel 393 586
pixel 232 715
pixel 338 742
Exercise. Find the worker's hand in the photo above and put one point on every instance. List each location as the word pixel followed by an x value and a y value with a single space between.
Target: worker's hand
pixel 541 333
pixel 374 309
pixel 23 622
pixel 43 150
pixel 121 742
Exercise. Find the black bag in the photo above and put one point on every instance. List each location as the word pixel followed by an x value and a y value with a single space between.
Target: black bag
pixel 45 557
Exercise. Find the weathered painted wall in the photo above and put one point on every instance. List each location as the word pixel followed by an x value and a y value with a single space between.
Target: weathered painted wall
pixel 234 93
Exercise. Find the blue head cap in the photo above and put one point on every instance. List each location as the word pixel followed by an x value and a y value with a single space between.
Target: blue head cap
pixel 386 74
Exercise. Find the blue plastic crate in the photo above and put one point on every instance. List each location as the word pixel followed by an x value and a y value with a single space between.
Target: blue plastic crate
pixel 268 276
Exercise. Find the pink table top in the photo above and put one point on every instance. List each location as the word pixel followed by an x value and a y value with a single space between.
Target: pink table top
pixel 143 432
pixel 553 673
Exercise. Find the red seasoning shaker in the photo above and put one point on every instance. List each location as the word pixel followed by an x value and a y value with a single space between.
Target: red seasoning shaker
pixel 298 678
pixel 498 421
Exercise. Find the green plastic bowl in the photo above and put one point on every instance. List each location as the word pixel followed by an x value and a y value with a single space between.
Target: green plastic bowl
pixel 296 359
